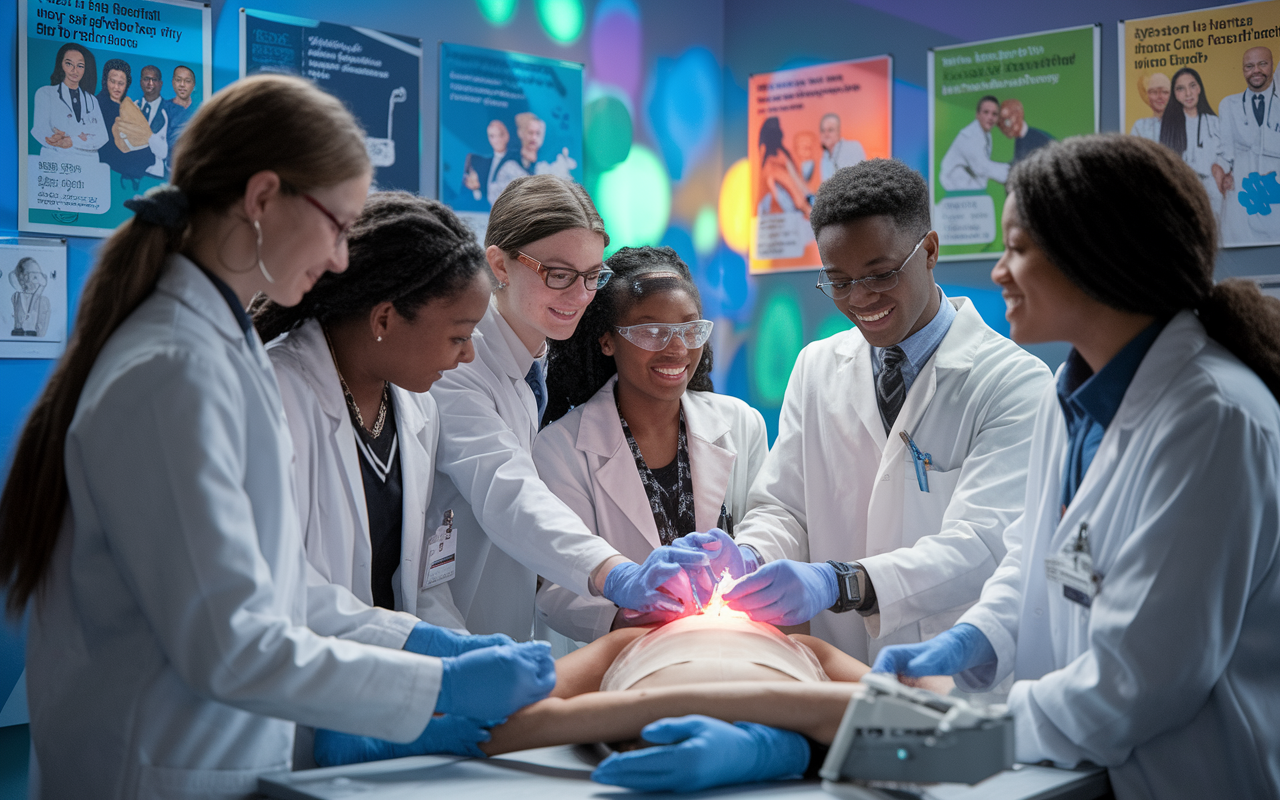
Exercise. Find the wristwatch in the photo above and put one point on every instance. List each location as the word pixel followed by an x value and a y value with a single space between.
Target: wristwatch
pixel 856 592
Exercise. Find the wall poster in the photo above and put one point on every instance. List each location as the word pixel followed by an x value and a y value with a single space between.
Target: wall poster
pixel 992 103
pixel 1202 83
pixel 377 75
pixel 803 125
pixel 504 115
pixel 104 90
pixel 33 311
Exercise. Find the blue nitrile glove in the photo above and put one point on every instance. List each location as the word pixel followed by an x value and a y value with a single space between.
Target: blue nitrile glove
pixel 955 650
pixel 661 583
pixel 448 733
pixel 725 554
pixel 703 752
pixel 786 592
pixel 493 682
pixel 432 640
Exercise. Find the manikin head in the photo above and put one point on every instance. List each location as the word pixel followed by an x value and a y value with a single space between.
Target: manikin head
pixel 1012 116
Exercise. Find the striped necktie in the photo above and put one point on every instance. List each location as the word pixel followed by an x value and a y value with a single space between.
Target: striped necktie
pixel 891 389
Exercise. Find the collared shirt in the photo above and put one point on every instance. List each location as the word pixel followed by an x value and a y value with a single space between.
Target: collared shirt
pixel 1090 401
pixel 242 316
pixel 919 347
pixel 524 359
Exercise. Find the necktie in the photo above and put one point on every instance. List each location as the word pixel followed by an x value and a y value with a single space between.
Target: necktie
pixel 146 111
pixel 1258 104
pixel 891 390
pixel 537 381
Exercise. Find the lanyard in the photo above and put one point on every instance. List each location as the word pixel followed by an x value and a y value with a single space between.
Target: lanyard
pixel 668 529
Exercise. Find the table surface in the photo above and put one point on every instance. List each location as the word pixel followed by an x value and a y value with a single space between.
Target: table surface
pixel 561 773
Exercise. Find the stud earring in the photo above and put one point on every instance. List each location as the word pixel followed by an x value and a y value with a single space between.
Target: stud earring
pixel 379 338
pixel 258 252
pixel 501 285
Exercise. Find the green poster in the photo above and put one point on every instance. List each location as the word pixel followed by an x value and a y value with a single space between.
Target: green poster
pixel 991 104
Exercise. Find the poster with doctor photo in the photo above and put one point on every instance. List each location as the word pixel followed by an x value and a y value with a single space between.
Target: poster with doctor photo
pixel 105 89
pixel 33 297
pixel 1202 84
pixel 991 104
pixel 803 125
pixel 503 116
pixel 377 75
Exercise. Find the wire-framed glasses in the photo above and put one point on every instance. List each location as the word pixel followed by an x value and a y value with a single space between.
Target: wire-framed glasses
pixel 839 290
pixel 560 278
pixel 656 336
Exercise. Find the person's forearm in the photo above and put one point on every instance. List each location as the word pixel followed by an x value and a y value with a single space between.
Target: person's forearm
pixel 813 709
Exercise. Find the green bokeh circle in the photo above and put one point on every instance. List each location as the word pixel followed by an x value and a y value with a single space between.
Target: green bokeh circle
pixel 497 12
pixel 706 231
pixel 779 339
pixel 608 133
pixel 833 324
pixel 561 19
pixel 634 198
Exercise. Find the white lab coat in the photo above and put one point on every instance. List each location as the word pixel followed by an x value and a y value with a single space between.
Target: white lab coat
pixel 52 109
pixel 834 486
pixel 967 164
pixel 177 639
pixel 1203 135
pixel 1170 680
pixel 846 153
pixel 1246 148
pixel 1147 128
pixel 584 458
pixel 511 527
pixel 331 500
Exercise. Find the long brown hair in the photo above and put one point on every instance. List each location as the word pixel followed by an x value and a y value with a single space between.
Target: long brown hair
pixel 1127 221
pixel 536 207
pixel 268 122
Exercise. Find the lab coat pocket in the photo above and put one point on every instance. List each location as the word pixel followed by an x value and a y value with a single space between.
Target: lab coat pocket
pixel 173 783
pixel 922 511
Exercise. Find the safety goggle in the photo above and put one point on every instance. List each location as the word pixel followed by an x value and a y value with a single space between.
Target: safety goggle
pixel 656 336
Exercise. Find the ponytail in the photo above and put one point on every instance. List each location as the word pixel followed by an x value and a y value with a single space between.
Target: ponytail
pixel 1247 322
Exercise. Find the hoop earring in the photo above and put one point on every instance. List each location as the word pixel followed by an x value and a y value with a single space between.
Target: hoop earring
pixel 258 252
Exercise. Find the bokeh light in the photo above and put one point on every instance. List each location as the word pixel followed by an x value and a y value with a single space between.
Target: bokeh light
pixel 634 198
pixel 706 231
pixel 561 19
pixel 735 206
pixel 779 339
pixel 497 12
pixel 607 127
pixel 831 325
pixel 616 45
pixel 683 104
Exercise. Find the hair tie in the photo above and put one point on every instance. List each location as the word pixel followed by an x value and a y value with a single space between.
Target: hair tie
pixel 164 205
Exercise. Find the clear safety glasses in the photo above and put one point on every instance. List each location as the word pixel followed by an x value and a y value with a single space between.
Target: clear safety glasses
pixel 656 336
pixel 558 278
pixel 839 290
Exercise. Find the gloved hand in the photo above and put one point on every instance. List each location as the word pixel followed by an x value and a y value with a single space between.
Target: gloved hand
pixel 626 618
pixel 448 733
pixel 432 640
pixel 705 752
pixel 725 554
pixel 493 682
pixel 955 650
pixel 661 583
pixel 785 592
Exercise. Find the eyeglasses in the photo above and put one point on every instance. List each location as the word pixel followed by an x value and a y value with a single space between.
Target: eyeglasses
pixel 839 290
pixel 559 278
pixel 656 336
pixel 342 229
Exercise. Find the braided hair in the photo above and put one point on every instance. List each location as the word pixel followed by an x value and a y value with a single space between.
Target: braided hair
pixel 1071 197
pixel 404 249
pixel 577 367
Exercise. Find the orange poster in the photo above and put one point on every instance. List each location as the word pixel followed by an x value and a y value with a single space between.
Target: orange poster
pixel 804 124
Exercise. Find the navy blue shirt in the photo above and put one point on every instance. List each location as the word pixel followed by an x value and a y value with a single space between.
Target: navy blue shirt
pixel 1090 401
pixel 242 316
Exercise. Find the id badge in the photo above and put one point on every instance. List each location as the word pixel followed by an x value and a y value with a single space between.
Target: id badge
pixel 1073 568
pixel 442 553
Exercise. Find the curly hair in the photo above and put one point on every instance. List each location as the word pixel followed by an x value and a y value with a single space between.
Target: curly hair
pixel 1151 239
pixel 577 367
pixel 119 65
pixel 404 249
pixel 881 186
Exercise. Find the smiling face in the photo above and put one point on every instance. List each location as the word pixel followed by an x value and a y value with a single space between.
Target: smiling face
pixel 535 311
pixel 988 113
pixel 151 83
pixel 1158 97
pixel 875 245
pixel 72 68
pixel 1187 91
pixel 184 83
pixel 663 375
pixel 498 136
pixel 415 353
pixel 116 84
pixel 1258 67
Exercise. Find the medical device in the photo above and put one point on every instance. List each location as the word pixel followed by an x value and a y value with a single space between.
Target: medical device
pixel 894 734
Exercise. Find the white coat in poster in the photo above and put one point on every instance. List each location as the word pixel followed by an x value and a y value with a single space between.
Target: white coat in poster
pixel 967 164
pixel 1249 159
pixel 1169 678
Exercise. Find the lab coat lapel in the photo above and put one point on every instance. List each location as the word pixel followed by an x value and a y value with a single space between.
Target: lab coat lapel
pixel 415 480
pixel 502 360
pixel 710 463
pixel 601 434
pixel 863 399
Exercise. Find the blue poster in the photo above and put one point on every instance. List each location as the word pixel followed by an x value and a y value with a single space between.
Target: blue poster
pixel 378 75
pixel 106 89
pixel 502 116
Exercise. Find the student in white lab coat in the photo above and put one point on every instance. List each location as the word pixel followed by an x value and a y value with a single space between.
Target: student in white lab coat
pixel 648 452
pixel 1137 604
pixel 904 543
pixel 176 636
pixel 545 243
pixel 66 118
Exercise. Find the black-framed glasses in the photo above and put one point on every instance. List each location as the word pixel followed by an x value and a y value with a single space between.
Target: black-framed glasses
pixel 561 278
pixel 342 229
pixel 839 290
pixel 655 336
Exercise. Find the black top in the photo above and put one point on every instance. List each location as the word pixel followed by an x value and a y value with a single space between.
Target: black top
pixel 383 497
pixel 242 316
pixel 667 482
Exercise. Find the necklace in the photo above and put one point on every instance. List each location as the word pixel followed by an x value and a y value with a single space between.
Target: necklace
pixel 351 401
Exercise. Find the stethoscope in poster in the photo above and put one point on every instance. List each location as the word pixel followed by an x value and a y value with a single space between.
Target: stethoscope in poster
pixel 33 311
